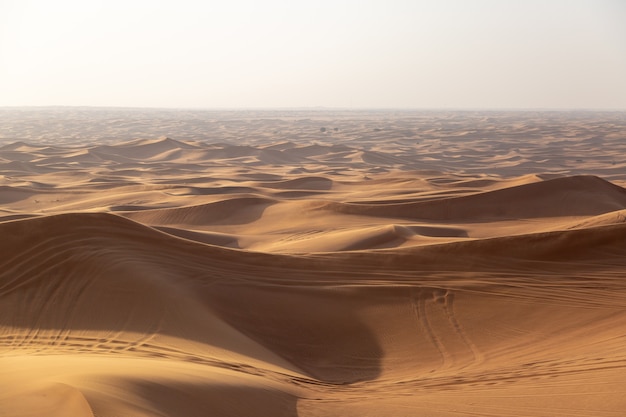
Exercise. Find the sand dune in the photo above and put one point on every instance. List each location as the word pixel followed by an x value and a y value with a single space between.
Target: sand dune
pixel 238 210
pixel 570 196
pixel 406 264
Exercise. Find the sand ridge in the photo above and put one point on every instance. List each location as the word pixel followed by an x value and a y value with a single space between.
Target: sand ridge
pixel 253 264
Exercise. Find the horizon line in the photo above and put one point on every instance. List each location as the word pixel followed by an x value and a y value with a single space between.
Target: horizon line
pixel 323 108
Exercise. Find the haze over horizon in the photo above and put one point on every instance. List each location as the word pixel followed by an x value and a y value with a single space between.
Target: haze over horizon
pixel 347 54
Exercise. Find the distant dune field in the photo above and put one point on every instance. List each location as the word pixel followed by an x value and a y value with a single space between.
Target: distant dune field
pixel 312 263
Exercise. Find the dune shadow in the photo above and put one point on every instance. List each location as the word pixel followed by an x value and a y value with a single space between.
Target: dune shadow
pixel 175 398
pixel 316 329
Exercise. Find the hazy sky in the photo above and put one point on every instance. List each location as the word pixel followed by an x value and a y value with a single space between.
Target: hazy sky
pixel 339 53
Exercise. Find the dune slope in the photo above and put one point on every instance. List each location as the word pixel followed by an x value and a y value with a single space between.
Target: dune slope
pixel 391 264
pixel 106 289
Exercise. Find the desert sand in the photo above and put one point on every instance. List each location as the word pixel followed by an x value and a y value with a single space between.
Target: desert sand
pixel 312 263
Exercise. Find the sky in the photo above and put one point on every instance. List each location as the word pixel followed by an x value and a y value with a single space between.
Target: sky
pixel 439 54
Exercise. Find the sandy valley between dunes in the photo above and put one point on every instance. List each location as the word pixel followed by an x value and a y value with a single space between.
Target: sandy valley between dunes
pixel 312 263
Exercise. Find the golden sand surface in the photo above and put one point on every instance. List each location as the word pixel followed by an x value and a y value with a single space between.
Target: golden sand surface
pixel 312 263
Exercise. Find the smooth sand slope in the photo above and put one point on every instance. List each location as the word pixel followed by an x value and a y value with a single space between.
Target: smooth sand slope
pixel 405 264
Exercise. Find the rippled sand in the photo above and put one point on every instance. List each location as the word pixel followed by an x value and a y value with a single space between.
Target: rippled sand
pixel 312 263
